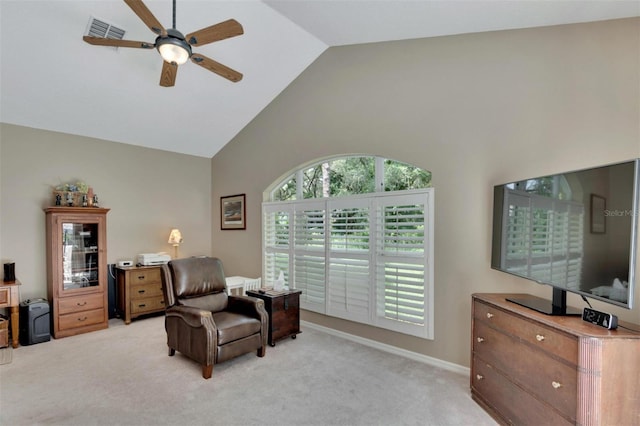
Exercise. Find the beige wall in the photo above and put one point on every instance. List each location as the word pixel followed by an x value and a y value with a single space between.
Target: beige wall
pixel 476 110
pixel 148 191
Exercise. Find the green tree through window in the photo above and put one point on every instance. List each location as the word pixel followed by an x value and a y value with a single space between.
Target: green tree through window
pixel 351 176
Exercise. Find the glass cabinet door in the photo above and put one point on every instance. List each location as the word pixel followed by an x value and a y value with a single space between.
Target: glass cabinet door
pixel 79 255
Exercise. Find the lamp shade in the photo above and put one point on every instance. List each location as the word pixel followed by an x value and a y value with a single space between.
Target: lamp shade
pixel 175 237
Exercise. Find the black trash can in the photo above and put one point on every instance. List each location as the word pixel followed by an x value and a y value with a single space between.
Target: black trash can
pixel 34 321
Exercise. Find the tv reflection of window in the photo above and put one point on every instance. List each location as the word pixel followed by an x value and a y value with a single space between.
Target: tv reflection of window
pixel 544 236
pixel 548 186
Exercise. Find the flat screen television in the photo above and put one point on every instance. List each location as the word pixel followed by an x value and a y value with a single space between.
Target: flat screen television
pixel 574 231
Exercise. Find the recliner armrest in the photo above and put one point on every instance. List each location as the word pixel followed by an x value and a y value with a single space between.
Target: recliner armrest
pixel 191 315
pixel 245 304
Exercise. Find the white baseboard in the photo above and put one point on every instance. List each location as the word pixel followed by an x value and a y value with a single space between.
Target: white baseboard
pixel 435 362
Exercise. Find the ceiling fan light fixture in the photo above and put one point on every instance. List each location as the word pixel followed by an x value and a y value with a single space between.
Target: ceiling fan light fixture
pixel 173 48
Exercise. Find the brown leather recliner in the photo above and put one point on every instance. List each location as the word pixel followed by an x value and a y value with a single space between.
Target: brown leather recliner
pixel 202 321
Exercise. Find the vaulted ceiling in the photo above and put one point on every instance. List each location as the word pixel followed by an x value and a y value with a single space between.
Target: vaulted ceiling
pixel 50 79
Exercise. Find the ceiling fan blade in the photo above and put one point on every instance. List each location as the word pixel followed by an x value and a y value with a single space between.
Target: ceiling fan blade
pixel 101 41
pixel 147 17
pixel 168 75
pixel 226 29
pixel 216 67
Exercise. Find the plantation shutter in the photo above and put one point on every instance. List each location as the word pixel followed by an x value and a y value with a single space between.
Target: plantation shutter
pixel 309 254
pixel 403 269
pixel 348 259
pixel 367 259
pixel 276 242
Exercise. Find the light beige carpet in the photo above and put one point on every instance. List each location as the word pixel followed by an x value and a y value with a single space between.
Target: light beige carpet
pixel 123 376
pixel 6 355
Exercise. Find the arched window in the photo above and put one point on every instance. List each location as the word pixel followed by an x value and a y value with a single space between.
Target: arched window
pixel 351 175
pixel 355 234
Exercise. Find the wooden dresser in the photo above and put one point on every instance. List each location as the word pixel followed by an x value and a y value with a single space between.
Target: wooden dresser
pixel 532 368
pixel 139 291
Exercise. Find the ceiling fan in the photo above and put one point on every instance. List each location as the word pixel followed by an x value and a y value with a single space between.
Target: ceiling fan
pixel 174 47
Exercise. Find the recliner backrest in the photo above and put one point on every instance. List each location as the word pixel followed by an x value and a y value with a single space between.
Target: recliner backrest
pixel 198 282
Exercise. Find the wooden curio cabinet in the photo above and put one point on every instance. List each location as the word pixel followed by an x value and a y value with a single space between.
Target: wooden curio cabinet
pixel 77 269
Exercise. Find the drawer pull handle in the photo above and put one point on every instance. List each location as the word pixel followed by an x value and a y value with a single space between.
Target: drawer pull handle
pixel 489 315
pixel 556 385
pixel 141 277
pixel 81 304
pixel 82 319
pixel 140 291
pixel 480 339
pixel 479 376
pixel 142 305
pixel 539 337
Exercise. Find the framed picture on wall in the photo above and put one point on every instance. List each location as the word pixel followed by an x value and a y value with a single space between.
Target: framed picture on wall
pixel 598 205
pixel 233 212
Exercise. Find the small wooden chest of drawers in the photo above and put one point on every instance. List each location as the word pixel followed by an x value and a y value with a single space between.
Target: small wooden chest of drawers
pixel 532 368
pixel 139 291
pixel 284 313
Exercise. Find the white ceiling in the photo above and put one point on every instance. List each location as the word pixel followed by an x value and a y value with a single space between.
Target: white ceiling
pixel 50 79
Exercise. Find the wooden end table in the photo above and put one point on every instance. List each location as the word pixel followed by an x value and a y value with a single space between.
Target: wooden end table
pixel 283 308
pixel 10 298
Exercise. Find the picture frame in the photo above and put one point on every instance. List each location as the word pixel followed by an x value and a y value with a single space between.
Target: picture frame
pixel 233 212
pixel 598 222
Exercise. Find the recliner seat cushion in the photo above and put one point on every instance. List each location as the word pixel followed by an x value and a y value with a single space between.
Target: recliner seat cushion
pixel 232 326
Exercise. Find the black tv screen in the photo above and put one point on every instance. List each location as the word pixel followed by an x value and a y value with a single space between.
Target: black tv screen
pixel 575 231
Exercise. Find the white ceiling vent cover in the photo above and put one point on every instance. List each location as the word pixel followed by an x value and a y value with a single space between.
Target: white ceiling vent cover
pixel 100 28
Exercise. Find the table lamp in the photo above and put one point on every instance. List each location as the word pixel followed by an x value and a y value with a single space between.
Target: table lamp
pixel 175 238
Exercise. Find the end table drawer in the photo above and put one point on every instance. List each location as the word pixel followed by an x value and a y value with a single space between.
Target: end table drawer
pixel 146 290
pixel 149 304
pixel 5 297
pixel 145 276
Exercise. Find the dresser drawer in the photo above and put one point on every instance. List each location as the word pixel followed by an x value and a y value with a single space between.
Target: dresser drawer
pixel 495 390
pixel 86 302
pixel 145 276
pixel 148 304
pixel 549 379
pixel 144 291
pixel 545 338
pixel 81 319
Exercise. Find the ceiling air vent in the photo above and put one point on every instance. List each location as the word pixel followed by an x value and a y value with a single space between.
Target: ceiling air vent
pixel 100 28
